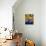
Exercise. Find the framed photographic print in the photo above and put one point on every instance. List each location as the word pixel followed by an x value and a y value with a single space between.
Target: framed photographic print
pixel 29 19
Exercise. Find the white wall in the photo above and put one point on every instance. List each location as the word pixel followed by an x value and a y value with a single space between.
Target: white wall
pixel 6 13
pixel 29 31
pixel 43 22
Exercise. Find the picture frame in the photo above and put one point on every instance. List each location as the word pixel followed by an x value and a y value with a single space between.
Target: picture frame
pixel 29 19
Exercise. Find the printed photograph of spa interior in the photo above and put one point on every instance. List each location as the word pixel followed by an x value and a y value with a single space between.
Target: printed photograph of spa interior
pixel 22 22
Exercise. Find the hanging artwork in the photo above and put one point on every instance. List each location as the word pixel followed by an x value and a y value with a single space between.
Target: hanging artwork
pixel 29 19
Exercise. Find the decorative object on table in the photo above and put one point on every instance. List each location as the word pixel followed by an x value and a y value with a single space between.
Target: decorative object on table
pixel 5 29
pixel 29 19
pixel 29 43
pixel 9 34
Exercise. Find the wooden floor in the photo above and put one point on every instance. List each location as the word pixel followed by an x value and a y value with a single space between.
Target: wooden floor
pixel 9 43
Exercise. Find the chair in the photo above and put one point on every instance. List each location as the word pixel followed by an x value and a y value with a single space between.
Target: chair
pixel 18 39
pixel 29 43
